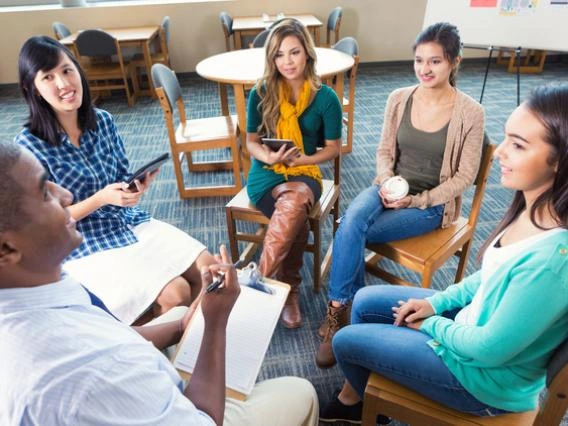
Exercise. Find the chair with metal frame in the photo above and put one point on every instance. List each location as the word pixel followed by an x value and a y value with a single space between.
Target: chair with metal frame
pixel 196 135
pixel 426 253
pixel 394 400
pixel 240 209
pixel 349 46
pixel 96 50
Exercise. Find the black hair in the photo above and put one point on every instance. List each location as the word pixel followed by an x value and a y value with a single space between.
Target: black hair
pixel 42 53
pixel 11 193
pixel 447 36
pixel 550 105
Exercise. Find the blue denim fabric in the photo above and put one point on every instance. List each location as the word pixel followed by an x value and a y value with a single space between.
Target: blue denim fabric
pixel 401 354
pixel 366 220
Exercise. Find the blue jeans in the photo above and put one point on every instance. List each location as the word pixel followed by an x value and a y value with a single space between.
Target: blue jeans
pixel 372 343
pixel 366 220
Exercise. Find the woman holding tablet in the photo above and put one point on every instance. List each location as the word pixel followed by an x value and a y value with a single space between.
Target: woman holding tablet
pixel 432 137
pixel 481 346
pixel 289 102
pixel 132 262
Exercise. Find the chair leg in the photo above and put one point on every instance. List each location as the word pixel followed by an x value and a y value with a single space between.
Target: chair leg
pixel 232 231
pixel 427 274
pixel 463 261
pixel 317 255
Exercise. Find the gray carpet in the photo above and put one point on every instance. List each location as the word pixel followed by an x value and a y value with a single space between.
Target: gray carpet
pixel 292 351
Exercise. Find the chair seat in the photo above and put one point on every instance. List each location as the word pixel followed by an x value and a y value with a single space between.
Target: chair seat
pixel 393 395
pixel 208 129
pixel 424 247
pixel 101 70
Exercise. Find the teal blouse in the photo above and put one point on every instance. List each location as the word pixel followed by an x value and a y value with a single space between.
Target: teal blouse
pixel 502 359
pixel 321 120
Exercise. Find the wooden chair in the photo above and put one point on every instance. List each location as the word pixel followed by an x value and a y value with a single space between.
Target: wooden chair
pixel 196 135
pixel 227 25
pixel 240 209
pixel 426 253
pixel 96 50
pixel 60 30
pixel 391 399
pixel 333 24
pixel 159 54
pixel 349 46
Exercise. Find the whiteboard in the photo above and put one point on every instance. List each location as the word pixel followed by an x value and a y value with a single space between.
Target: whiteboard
pixel 543 27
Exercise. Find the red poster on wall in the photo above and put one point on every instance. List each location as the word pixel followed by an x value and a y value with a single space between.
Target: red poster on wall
pixel 483 3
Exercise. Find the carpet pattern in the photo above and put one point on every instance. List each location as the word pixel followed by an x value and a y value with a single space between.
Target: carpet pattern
pixel 291 352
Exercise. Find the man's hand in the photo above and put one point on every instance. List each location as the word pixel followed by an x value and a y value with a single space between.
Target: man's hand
pixel 411 312
pixel 216 306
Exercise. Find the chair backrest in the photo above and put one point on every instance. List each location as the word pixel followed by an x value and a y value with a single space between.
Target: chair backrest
pixel 166 28
pixel 481 179
pixel 260 39
pixel 60 30
pixel 347 45
pixel 96 43
pixel 227 25
pixel 556 402
pixel 333 23
pixel 168 90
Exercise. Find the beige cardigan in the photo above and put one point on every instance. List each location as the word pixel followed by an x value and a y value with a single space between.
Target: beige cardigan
pixel 462 153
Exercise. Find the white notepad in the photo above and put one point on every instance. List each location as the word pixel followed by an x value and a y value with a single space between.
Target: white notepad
pixel 249 331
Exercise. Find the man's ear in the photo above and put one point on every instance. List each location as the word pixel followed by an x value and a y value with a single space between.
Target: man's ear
pixel 9 253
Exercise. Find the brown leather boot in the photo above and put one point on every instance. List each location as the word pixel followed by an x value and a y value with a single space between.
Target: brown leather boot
pixel 290 273
pixel 335 319
pixel 284 243
pixel 322 330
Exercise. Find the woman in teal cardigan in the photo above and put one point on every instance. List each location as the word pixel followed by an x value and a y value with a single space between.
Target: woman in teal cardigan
pixel 480 346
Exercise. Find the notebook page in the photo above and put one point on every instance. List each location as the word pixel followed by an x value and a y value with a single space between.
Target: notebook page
pixel 249 331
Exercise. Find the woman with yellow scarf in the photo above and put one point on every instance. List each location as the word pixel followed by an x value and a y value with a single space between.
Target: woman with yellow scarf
pixel 289 102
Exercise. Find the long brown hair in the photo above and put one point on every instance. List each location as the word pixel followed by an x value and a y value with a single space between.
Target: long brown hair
pixel 267 86
pixel 550 105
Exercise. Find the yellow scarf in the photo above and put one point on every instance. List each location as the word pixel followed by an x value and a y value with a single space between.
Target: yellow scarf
pixel 289 128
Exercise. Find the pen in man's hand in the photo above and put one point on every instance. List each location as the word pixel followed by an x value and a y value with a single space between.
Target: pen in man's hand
pixel 220 279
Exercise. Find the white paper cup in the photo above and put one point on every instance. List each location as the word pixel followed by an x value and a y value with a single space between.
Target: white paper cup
pixel 396 187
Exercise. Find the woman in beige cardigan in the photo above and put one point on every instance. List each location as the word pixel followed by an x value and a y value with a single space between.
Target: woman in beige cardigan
pixel 432 137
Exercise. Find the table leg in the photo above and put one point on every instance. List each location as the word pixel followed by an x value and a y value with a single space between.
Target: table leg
pixel 317 36
pixel 224 99
pixel 238 40
pixel 339 86
pixel 486 72
pixel 240 104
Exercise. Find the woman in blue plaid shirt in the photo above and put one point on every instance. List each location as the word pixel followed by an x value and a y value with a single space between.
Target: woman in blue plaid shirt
pixel 134 263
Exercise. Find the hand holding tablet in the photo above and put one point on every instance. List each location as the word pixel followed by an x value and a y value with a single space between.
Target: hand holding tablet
pixel 276 144
pixel 149 167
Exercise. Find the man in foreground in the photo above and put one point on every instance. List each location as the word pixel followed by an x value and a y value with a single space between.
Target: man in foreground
pixel 65 361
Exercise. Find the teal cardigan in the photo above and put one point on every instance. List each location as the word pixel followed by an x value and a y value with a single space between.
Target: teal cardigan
pixel 502 359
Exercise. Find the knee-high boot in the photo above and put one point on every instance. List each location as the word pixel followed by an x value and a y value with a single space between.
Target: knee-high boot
pixel 286 235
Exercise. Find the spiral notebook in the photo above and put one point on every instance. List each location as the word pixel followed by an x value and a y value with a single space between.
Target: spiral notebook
pixel 249 331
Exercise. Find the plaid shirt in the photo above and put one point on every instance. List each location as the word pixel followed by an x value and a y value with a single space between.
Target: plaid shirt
pixel 99 161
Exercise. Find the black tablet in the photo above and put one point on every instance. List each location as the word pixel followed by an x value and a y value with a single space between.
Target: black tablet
pixel 275 144
pixel 149 167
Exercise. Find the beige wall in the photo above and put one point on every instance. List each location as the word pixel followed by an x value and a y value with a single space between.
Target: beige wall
pixel 385 29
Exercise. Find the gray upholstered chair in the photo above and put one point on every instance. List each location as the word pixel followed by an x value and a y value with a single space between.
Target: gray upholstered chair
pixel 333 24
pixel 60 30
pixel 227 24
pixel 190 136
pixel 159 54
pixel 96 50
pixel 260 39
pixel 349 46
